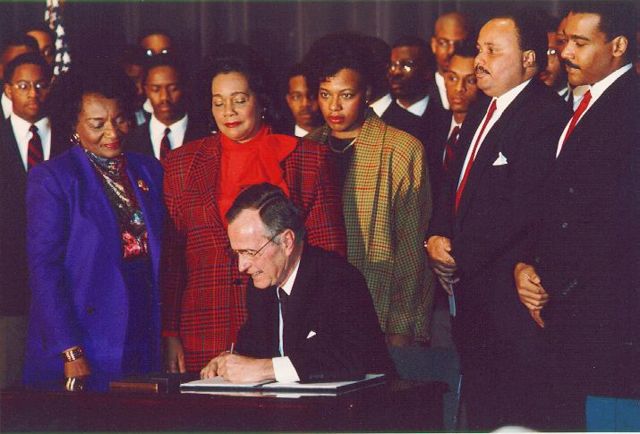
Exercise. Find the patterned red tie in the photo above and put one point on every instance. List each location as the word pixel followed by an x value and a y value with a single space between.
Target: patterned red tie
pixel 490 111
pixel 165 144
pixel 576 117
pixel 35 154
pixel 451 149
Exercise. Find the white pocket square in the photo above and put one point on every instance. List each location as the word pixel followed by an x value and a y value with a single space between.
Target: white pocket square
pixel 311 334
pixel 501 160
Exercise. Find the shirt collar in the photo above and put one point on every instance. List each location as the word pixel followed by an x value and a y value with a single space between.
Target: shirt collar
pixel 504 100
pixel 7 105
pixel 442 90
pixel 21 126
pixel 288 285
pixel 157 127
pixel 598 88
pixel 453 125
pixel 417 108
pixel 298 131
pixel 382 104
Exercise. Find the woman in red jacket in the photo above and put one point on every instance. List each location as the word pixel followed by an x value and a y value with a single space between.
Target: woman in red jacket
pixel 203 292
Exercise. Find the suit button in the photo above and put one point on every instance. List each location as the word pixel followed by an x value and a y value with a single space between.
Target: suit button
pixel 536 259
pixel 237 281
pixel 571 190
pixel 91 310
pixel 564 225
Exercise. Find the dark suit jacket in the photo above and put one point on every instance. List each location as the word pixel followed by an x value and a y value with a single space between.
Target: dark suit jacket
pixel 14 296
pixel 80 296
pixel 140 139
pixel 331 299
pixel 587 250
pixel 427 128
pixel 495 211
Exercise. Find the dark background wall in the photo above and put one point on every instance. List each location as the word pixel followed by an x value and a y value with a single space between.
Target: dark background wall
pixel 282 30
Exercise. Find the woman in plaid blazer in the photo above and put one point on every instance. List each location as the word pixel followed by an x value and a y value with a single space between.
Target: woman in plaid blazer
pixel 203 291
pixel 386 194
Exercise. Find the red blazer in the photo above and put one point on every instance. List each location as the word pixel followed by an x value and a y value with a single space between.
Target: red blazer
pixel 203 292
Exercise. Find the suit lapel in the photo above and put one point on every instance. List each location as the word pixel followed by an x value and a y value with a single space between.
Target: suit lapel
pixel 298 301
pixel 491 145
pixel 602 104
pixel 94 201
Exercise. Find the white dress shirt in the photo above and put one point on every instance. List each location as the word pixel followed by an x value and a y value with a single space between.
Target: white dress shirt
pixel 597 89
pixel 7 105
pixel 417 108
pixel 382 104
pixel 298 131
pixel 176 136
pixel 23 135
pixel 502 103
pixel 282 366
pixel 442 90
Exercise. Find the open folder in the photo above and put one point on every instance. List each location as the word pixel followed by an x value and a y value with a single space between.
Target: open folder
pixel 218 384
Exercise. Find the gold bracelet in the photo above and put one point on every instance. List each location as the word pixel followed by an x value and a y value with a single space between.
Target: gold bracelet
pixel 72 354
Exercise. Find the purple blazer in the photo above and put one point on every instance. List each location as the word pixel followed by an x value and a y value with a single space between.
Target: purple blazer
pixel 73 243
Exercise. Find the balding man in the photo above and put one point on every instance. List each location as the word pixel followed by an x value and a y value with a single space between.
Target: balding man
pixel 449 31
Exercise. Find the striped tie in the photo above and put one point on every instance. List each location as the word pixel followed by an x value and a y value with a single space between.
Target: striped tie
pixel 35 154
pixel 165 144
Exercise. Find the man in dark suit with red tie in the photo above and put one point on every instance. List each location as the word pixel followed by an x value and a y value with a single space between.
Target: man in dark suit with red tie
pixel 482 218
pixel 169 126
pixel 26 139
pixel 310 313
pixel 579 279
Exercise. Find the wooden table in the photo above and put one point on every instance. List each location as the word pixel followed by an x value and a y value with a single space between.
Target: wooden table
pixel 398 406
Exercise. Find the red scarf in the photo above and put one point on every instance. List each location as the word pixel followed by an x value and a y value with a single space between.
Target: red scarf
pixel 252 162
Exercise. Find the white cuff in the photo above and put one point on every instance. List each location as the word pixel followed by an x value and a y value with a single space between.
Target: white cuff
pixel 284 370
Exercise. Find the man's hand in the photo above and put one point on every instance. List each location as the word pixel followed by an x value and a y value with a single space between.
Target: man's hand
pixel 530 290
pixel 439 251
pixel 239 369
pixel 174 355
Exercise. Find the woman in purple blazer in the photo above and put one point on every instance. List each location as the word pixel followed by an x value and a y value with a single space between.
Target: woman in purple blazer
pixel 93 234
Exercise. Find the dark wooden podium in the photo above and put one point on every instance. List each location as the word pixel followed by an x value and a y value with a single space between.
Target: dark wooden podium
pixel 398 406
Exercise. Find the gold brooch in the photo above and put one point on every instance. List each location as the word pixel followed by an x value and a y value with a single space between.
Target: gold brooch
pixel 142 185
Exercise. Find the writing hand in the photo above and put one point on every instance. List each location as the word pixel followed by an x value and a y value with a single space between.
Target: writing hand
pixel 530 290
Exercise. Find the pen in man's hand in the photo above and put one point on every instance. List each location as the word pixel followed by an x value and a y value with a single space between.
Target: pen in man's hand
pixel 232 345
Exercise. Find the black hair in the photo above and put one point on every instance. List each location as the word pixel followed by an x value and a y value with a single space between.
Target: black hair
pixel 295 70
pixel 276 210
pixel 532 34
pixel 617 18
pixel 18 40
pixel 132 55
pixel 240 58
pixel 332 53
pixel 466 48
pixel 380 53
pixel 422 45
pixel 27 59
pixel 168 59
pixel 69 89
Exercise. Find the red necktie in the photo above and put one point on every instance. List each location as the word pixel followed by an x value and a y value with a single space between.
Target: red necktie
pixel 576 117
pixel 165 145
pixel 451 149
pixel 490 111
pixel 35 154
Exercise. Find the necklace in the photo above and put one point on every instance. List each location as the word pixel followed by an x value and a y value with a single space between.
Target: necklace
pixel 343 150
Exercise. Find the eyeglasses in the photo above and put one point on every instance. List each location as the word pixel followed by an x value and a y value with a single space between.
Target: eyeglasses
pixel 552 52
pixel 446 43
pixel 25 86
pixel 250 253
pixel 402 65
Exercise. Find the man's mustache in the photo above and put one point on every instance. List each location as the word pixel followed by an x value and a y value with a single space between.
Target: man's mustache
pixel 479 68
pixel 568 64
